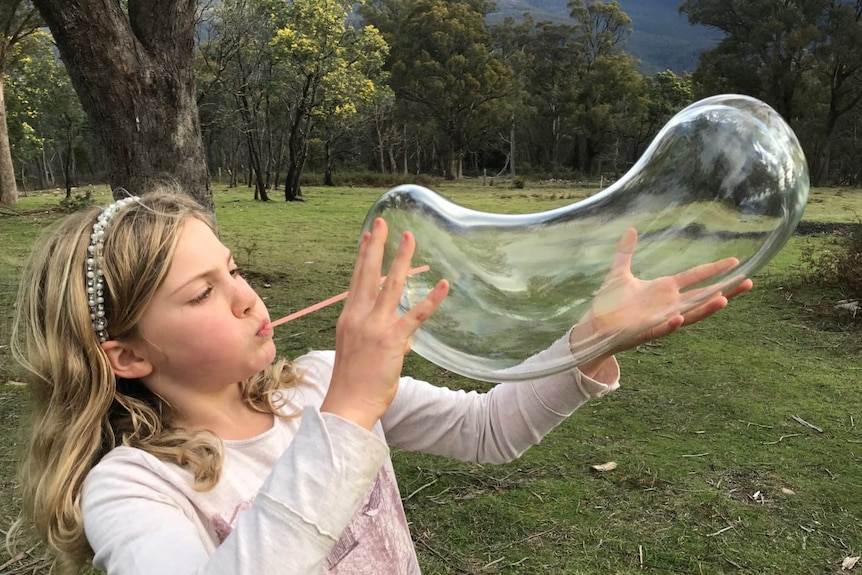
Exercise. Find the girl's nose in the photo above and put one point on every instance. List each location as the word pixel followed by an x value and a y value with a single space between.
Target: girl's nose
pixel 244 298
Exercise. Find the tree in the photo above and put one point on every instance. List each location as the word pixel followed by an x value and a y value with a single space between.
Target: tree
pixel 328 66
pixel 18 20
pixel 803 57
pixel 601 30
pixel 440 60
pixel 767 49
pixel 840 71
pixel 45 115
pixel 132 65
pixel 238 60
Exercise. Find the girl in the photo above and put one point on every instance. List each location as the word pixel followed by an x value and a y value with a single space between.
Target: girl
pixel 166 439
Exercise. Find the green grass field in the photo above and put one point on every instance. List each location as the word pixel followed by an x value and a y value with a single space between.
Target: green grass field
pixel 738 441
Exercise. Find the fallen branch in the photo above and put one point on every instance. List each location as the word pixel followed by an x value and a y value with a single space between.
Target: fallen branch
pixel 801 421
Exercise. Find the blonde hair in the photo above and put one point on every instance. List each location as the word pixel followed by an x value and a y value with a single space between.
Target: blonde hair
pixel 81 410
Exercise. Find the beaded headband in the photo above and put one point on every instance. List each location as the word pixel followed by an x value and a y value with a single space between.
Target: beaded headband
pixel 95 273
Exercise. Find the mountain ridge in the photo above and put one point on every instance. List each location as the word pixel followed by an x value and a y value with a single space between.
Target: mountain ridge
pixel 662 38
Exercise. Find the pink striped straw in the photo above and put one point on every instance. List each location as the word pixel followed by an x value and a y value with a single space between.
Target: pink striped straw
pixel 332 300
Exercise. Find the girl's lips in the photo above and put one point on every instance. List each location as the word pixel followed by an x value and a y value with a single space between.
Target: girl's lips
pixel 265 329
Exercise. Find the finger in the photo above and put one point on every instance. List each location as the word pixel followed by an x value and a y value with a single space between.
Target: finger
pixel 705 309
pixel 357 266
pixel 368 270
pixel 622 264
pixel 704 272
pixel 423 310
pixel 743 287
pixel 665 328
pixel 398 270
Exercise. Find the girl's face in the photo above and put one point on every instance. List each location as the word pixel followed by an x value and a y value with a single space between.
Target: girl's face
pixel 205 327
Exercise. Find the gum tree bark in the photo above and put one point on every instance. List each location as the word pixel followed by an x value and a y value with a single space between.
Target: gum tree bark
pixel 133 70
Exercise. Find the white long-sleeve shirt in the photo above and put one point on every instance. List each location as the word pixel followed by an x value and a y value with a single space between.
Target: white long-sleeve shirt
pixel 315 493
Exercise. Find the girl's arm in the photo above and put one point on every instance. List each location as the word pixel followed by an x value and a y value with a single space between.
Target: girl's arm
pixel 140 520
pixel 493 427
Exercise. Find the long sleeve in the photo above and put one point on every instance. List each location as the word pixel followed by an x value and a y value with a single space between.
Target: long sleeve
pixel 493 427
pixel 140 518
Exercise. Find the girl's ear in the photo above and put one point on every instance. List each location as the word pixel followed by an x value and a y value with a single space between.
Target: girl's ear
pixel 125 361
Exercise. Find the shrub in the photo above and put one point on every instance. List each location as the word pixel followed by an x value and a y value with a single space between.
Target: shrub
pixel 78 201
pixel 839 264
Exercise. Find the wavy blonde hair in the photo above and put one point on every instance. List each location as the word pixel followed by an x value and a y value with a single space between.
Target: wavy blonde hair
pixel 81 410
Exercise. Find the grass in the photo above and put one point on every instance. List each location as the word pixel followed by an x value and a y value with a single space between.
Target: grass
pixel 737 441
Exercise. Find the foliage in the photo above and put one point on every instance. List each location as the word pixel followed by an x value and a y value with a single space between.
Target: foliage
pixel 803 57
pixel 18 20
pixel 837 264
pixel 445 88
pixel 77 201
pixel 45 116
pixel 451 76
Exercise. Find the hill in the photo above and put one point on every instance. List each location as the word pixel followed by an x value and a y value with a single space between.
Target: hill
pixel 662 39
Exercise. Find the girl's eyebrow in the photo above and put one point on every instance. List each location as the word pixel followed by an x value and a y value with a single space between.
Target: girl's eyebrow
pixel 204 274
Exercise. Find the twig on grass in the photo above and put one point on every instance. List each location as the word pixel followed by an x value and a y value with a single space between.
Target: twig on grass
pixel 750 423
pixel 418 489
pixel 780 439
pixel 524 540
pixel 20 557
pixel 720 531
pixel 801 421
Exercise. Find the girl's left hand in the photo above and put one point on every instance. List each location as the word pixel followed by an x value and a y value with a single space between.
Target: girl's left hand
pixel 645 310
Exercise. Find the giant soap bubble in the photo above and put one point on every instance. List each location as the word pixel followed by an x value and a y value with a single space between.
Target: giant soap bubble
pixel 726 177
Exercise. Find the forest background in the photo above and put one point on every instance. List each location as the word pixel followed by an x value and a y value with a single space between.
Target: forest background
pixel 384 91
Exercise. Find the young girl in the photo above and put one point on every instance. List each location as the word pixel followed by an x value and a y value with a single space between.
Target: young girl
pixel 166 439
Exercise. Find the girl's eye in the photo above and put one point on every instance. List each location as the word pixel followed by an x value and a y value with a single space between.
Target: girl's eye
pixel 236 272
pixel 203 295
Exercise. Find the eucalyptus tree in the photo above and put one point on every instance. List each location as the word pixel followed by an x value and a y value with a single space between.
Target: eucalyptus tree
pixel 839 69
pixel 132 65
pixel 803 57
pixel 607 82
pixel 440 60
pixel 512 40
pixel 238 84
pixel 328 66
pixel 46 119
pixel 767 50
pixel 18 19
pixel 552 78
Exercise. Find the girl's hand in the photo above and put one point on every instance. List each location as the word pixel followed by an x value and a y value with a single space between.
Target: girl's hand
pixel 370 339
pixel 646 310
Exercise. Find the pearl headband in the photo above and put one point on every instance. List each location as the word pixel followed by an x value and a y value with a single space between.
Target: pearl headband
pixel 95 261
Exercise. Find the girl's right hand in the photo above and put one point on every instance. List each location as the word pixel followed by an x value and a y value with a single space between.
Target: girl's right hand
pixel 371 340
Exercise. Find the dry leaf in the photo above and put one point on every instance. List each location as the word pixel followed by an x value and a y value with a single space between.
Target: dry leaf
pixel 787 491
pixel 849 563
pixel 602 467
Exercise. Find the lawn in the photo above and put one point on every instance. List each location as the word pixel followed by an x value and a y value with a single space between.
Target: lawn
pixel 738 441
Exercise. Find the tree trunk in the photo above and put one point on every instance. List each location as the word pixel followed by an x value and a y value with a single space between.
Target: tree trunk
pixel 8 189
pixel 512 148
pixel 134 75
pixel 327 164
